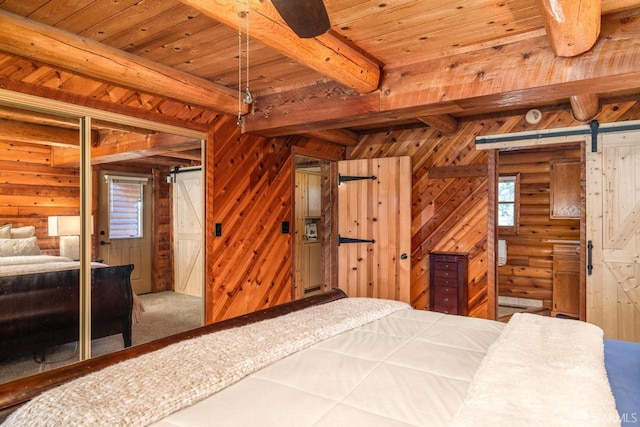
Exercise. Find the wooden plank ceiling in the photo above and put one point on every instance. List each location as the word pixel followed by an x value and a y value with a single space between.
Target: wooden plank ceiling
pixel 382 65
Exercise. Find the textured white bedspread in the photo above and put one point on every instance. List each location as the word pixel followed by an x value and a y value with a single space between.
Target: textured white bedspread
pixel 410 368
pixel 541 371
pixel 16 265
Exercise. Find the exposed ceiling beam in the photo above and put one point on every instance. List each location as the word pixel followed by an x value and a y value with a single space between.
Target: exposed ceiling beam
pixel 118 147
pixel 442 122
pixel 339 136
pixel 162 160
pixel 11 130
pixel 572 26
pixel 27 38
pixel 35 117
pixel 195 155
pixel 327 54
pixel 585 107
pixel 465 84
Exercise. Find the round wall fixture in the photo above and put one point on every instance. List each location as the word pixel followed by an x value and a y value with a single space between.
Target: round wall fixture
pixel 533 116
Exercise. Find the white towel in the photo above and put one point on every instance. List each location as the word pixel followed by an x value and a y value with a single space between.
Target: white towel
pixel 502 252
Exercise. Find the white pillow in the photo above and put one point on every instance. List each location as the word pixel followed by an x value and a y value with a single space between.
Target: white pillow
pixel 19 247
pixel 23 232
pixel 5 231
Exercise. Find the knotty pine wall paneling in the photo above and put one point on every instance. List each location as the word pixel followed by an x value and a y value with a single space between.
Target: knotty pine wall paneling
pixel 448 213
pixel 249 194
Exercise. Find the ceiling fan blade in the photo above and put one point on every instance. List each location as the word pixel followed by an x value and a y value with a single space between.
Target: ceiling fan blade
pixel 307 18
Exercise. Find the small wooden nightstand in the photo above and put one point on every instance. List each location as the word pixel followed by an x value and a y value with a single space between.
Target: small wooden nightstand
pixel 448 282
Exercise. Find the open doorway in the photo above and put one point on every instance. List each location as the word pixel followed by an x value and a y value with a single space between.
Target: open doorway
pixel 540 217
pixel 312 225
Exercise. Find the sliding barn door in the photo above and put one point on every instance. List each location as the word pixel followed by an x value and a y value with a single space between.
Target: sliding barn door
pixel 613 212
pixel 374 226
pixel 187 232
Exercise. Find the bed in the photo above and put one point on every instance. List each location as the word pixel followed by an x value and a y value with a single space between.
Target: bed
pixel 330 360
pixel 39 297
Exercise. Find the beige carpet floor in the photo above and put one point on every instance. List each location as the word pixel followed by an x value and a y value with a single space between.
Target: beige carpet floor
pixel 166 313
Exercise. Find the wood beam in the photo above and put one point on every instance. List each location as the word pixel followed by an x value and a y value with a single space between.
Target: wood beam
pixel 585 107
pixel 517 76
pixel 441 122
pixel 572 26
pixel 457 171
pixel 27 38
pixel 339 136
pixel 11 130
pixel 117 147
pixel 194 155
pixel 327 54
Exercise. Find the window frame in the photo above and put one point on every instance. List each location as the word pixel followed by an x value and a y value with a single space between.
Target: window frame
pixel 130 180
pixel 509 229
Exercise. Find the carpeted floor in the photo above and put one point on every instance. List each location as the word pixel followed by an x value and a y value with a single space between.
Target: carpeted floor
pixel 166 313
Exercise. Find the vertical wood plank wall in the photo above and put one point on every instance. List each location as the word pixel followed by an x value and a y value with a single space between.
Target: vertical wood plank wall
pixel 528 272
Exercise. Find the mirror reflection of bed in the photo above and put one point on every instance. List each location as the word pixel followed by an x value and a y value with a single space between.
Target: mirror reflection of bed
pixel 37 190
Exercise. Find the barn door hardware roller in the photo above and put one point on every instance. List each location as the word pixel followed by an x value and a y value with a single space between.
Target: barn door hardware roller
pixel 347 178
pixel 345 240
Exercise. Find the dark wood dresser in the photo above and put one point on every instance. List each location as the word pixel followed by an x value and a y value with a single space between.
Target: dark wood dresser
pixel 448 282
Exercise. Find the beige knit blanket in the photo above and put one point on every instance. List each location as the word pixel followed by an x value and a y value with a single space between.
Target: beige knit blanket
pixel 541 371
pixel 143 390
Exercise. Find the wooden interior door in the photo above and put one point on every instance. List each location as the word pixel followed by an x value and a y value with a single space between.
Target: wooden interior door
pixel 613 215
pixel 187 232
pixel 374 203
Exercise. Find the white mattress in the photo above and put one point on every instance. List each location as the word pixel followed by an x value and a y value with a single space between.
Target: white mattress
pixel 411 368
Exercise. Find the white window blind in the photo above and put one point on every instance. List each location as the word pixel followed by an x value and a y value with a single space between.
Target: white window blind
pixel 125 207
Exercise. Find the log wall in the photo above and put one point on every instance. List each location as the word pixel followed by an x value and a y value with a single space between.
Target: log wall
pixel 31 190
pixel 528 272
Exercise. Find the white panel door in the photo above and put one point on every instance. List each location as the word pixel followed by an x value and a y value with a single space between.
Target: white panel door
pixel 123 251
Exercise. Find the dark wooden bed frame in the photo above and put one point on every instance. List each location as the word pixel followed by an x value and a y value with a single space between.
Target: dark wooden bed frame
pixel 16 393
pixel 41 310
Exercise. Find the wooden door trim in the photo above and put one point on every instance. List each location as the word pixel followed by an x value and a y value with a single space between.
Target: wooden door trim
pixel 492 234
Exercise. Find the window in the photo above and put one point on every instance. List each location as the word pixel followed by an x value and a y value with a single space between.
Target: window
pixel 508 204
pixel 125 207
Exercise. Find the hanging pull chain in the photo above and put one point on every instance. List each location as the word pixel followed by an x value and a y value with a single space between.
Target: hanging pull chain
pixel 248 98
pixel 239 121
